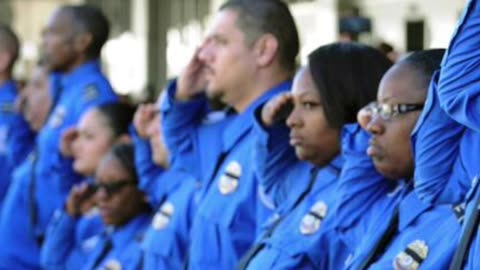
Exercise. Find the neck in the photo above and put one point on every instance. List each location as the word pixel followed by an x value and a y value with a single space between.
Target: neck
pixel 5 77
pixel 77 63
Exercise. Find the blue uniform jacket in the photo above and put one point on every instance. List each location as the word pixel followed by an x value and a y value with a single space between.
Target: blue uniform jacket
pixel 172 192
pixel 300 209
pixel 22 251
pixel 16 137
pixel 365 199
pixel 229 212
pixel 430 232
pixel 85 246
pixel 53 175
pixel 442 149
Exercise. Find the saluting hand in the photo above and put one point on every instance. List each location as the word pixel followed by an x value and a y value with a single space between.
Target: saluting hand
pixel 66 143
pixel 80 199
pixel 277 109
pixel 364 116
pixel 192 81
pixel 142 118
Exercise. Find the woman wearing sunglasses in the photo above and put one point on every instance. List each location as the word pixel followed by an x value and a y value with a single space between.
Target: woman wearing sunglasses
pixel 125 215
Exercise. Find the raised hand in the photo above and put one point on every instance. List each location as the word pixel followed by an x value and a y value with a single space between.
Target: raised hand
pixel 80 199
pixel 142 118
pixel 364 116
pixel 277 109
pixel 67 141
pixel 192 80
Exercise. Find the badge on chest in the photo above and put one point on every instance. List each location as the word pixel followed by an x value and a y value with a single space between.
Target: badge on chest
pixel 312 221
pixel 412 257
pixel 230 179
pixel 163 216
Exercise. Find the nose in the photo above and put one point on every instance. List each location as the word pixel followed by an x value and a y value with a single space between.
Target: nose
pixel 294 120
pixel 101 195
pixel 205 52
pixel 376 126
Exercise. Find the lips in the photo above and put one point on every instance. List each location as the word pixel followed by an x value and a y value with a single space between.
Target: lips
pixel 295 140
pixel 373 150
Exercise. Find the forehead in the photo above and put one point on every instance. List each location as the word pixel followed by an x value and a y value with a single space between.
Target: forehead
pixel 401 84
pixel 225 24
pixel 110 170
pixel 303 83
pixel 61 18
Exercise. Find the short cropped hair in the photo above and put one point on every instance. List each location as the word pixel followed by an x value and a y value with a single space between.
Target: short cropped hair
pixel 347 76
pixel 426 62
pixel 9 42
pixel 90 19
pixel 258 17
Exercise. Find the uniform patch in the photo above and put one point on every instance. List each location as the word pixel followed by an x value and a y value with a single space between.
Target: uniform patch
pixel 90 93
pixel 412 257
pixel 58 116
pixel 113 265
pixel 163 216
pixel 312 221
pixel 230 179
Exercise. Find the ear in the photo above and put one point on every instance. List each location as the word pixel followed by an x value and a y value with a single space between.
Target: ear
pixel 266 49
pixel 124 139
pixel 82 42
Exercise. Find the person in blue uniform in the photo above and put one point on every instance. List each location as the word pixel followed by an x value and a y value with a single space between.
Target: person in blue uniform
pixel 171 190
pixel 301 177
pixel 125 216
pixel 453 105
pixel 398 230
pixel 73 40
pixel 247 57
pixel 16 138
pixel 35 105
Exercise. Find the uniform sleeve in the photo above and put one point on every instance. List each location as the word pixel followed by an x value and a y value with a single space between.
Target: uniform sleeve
pixel 180 121
pixel 273 158
pixel 458 91
pixel 59 241
pixel 147 171
pixel 435 141
pixel 360 184
pixel 21 141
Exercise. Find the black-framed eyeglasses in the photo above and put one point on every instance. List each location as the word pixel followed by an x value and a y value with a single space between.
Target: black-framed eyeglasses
pixel 114 187
pixel 389 111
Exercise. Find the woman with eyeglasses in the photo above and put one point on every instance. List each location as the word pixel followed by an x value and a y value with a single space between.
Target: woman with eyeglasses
pixel 298 152
pixel 397 230
pixel 125 215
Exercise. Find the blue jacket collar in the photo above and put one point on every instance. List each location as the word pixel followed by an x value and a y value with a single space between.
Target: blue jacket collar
pixel 132 231
pixel 242 123
pixel 81 71
pixel 9 86
pixel 410 208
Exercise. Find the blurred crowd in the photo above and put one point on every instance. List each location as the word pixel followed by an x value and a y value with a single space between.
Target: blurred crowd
pixel 356 160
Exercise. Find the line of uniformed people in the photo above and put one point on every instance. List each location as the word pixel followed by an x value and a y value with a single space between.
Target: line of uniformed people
pixel 283 178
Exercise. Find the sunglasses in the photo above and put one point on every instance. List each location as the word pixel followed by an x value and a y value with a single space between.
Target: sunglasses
pixel 389 111
pixel 114 187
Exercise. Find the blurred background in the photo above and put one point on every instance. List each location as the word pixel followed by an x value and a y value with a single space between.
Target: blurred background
pixel 151 40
